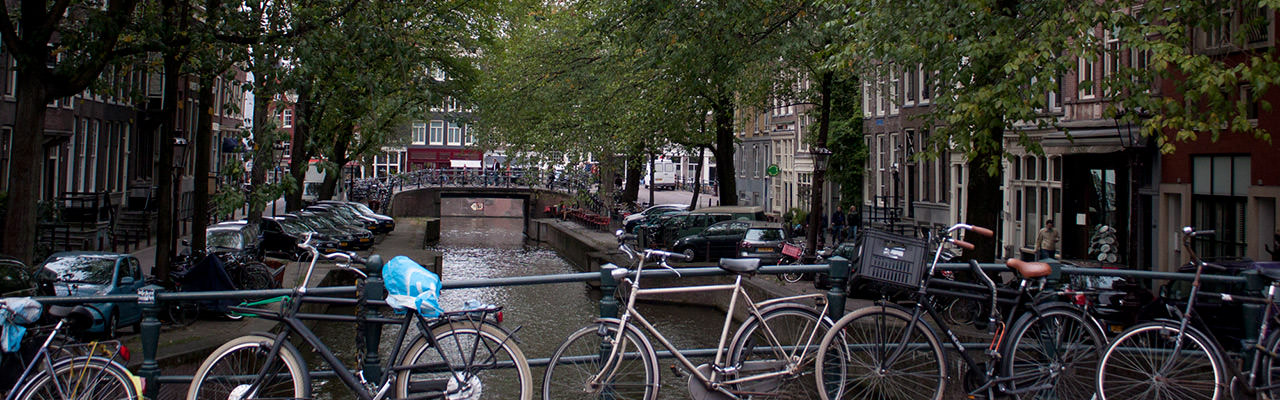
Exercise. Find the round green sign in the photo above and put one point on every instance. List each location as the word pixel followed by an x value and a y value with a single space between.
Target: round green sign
pixel 773 170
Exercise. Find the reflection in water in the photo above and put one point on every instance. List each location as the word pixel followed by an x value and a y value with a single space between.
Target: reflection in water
pixel 476 248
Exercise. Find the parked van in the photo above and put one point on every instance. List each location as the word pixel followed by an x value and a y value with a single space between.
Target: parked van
pixel 749 213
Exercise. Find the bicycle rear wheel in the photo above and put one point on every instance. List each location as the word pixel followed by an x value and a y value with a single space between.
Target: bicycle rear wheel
pixel 81 378
pixel 1053 354
pixel 232 368
pixel 1142 364
pixel 578 360
pixel 854 359
pixel 255 276
pixel 785 333
pixel 474 360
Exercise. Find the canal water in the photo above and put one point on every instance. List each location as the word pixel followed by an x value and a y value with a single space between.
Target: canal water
pixel 545 314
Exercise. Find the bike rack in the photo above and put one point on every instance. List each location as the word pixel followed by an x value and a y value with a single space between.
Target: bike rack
pixel 838 269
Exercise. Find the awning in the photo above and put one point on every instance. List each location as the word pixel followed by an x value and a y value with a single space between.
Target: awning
pixel 464 163
pixel 1095 141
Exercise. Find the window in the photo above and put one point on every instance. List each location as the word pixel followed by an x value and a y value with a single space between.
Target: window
pixel 866 99
pixel 1255 24
pixel 1084 78
pixel 437 132
pixel 419 133
pixel 455 134
pixel 1111 56
pixel 11 86
pixel 910 90
pixel 469 137
pixel 1218 35
pixel 1219 193
pixel 1251 105
pixel 926 86
pixel 878 100
pixel 894 84
pixel 286 118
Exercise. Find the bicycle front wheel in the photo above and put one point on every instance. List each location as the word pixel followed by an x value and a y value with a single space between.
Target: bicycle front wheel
pixel 577 363
pixel 81 378
pixel 785 339
pixel 231 370
pixel 1147 362
pixel 472 360
pixel 856 363
pixel 1053 354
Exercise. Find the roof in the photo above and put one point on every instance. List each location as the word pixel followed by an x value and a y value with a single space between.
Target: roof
pixel 87 253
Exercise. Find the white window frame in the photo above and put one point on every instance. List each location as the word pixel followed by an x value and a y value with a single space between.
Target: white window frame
pixel 894 89
pixel 468 137
pixel 286 117
pixel 419 132
pixel 1086 92
pixel 455 135
pixel 437 133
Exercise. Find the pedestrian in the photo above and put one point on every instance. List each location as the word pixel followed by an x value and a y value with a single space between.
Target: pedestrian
pixel 1046 241
pixel 837 226
pixel 853 221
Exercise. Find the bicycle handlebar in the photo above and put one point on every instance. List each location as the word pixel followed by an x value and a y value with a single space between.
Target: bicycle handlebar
pixel 666 255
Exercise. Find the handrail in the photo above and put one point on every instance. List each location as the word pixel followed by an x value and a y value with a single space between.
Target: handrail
pixel 839 271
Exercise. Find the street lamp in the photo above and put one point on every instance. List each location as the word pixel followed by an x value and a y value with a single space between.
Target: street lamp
pixel 1133 144
pixel 179 166
pixel 820 155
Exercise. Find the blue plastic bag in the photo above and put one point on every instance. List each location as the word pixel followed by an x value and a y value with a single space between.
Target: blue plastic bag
pixel 17 310
pixel 409 285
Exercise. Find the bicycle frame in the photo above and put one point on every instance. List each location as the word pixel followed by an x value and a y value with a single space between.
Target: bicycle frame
pixel 718 370
pixel 45 359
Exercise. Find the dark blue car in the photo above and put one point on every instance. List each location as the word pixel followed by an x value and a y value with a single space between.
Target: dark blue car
pixel 79 273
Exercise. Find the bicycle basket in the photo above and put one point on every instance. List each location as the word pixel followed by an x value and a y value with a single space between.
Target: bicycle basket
pixel 892 260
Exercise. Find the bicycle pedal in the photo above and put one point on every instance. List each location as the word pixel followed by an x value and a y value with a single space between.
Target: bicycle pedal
pixel 676 371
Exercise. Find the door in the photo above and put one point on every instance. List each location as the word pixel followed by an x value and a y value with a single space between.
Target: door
pixel 128 281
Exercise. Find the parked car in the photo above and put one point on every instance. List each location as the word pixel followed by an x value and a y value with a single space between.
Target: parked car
pixel 359 238
pixel 281 236
pixel 234 237
pixel 1117 302
pixel 763 240
pixel 716 241
pixel 385 224
pixel 345 215
pixel 15 278
pixel 1224 318
pixel 631 221
pixel 343 238
pixel 78 273
pixel 683 225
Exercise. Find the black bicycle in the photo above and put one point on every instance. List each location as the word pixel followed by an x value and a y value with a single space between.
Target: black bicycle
pixel 1043 349
pixel 459 355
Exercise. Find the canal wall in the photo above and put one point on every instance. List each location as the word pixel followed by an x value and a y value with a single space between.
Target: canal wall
pixel 587 249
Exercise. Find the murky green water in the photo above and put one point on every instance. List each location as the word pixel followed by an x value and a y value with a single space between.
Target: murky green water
pixel 544 314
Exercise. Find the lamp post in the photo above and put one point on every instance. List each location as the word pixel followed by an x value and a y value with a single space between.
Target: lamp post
pixel 1133 143
pixel 277 151
pixel 820 156
pixel 179 169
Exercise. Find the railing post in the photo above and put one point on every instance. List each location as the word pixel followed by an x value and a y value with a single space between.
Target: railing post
pixel 150 370
pixel 1254 285
pixel 838 278
pixel 373 290
pixel 608 285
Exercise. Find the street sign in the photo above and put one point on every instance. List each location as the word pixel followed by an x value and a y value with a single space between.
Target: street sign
pixel 773 170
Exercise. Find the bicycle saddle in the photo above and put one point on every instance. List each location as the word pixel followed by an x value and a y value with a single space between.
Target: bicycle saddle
pixel 740 265
pixel 1029 269
pixel 79 318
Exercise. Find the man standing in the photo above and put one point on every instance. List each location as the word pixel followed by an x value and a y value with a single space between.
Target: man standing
pixel 1046 241
pixel 837 226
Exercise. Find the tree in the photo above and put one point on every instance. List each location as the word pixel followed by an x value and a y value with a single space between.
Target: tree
pixel 985 57
pixel 60 48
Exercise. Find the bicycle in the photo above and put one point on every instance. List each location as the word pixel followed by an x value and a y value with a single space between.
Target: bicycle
pixel 461 354
pixel 1181 358
pixel 770 355
pixel 79 372
pixel 1043 349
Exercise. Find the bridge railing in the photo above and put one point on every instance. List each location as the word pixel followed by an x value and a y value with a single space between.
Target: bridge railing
pixel 838 272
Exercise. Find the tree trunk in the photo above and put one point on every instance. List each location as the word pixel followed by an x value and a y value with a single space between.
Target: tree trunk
pixel 723 113
pixel 299 150
pixel 202 147
pixel 819 175
pixel 25 172
pixel 166 232
pixel 339 156
pixel 982 205
pixel 697 179
pixel 262 151
pixel 631 188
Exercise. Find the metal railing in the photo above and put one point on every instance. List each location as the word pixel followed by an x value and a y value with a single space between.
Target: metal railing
pixel 152 297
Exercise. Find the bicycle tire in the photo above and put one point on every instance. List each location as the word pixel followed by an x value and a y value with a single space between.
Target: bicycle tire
pixel 1055 354
pixel 462 344
pixel 1271 365
pixel 245 356
pixel 106 380
pixel 793 325
pixel 1141 347
pixel 255 276
pixel 183 313
pixel 868 335
pixel 964 311
pixel 580 356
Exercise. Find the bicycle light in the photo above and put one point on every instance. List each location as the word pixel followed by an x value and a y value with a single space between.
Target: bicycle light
pixel 498 317
pixel 124 352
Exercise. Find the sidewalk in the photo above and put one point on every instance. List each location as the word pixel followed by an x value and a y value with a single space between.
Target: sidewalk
pixel 147 255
